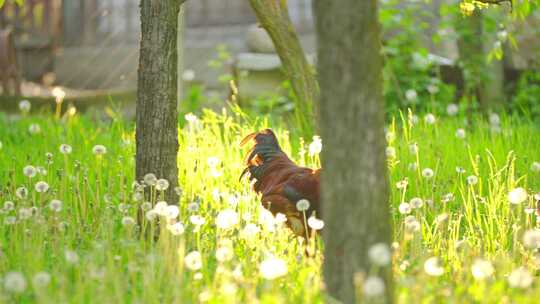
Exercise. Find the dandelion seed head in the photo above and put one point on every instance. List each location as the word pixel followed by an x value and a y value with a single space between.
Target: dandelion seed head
pixel 416 203
pixel 41 187
pixel 380 254
pixel 224 254
pixel 430 119
pixel 29 171
pixel 34 129
pixel 193 260
pixel 460 133
pixel 482 269
pixel 151 215
pixel 273 268
pixel 176 228
pixel 150 179
pixel 162 184
pixel 99 150
pixel 41 279
pixel 65 149
pixel 14 282
pixel 9 205
pixel 302 205
pixel 452 109
pixel 427 173
pixel 25 106
pixel 55 205
pixel 520 278
pixel 531 238
pixel 391 152
pixel 535 166
pixel 411 95
pixel 315 223
pixel 517 196
pixel 472 180
pixel 373 287
pixel 226 219
pixel 433 267
pixel 405 208
pixel 71 256
pixel 128 221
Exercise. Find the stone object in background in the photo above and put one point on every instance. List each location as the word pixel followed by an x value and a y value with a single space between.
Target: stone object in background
pixel 258 40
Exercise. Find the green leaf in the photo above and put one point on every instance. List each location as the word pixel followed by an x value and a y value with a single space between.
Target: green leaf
pixel 2 3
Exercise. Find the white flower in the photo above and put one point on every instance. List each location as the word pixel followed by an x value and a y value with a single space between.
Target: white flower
pixel 402 184
pixel 380 254
pixel 65 149
pixel 146 206
pixel 9 205
pixel 55 205
pixel 520 278
pixel 213 162
pixel 535 167
pixel 14 282
pixel 460 170
pixel 59 94
pixel 193 207
pixel 502 35
pixel 25 213
pixel 373 287
pixel 250 231
pixel 416 203
pixel 411 95
pixel 517 196
pixel 162 184
pixel 433 89
pixel 482 269
pixel 315 223
pixel 128 221
pixel 391 152
pixel 460 133
pixel 190 117
pixel 71 256
pixel 429 119
pixel 226 219
pixel 197 220
pixel 441 218
pixel 29 171
pixel 302 205
pixel 188 75
pixel 472 180
pixel 427 173
pixel 412 225
pixel 413 148
pixel 452 109
pixel 99 150
pixel 34 129
pixel 41 279
pixel 151 215
pixel 531 238
pixel 494 119
pixel 193 260
pixel 176 228
pixel 405 208
pixel 316 146
pixel 41 187
pixel 150 179
pixel 25 106
pixel 273 268
pixel 171 212
pixel 432 267
pixel 224 254
pixel 161 208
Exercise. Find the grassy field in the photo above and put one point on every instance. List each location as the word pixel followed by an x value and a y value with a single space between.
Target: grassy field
pixel 462 206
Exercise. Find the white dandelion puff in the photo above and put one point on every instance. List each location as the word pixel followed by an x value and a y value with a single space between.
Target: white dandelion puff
pixel 273 268
pixel 193 260
pixel 380 254
pixel 517 196
pixel 302 205
pixel 433 267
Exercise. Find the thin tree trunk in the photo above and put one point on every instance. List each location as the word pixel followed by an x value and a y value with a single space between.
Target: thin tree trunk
pixel 274 18
pixel 354 183
pixel 157 115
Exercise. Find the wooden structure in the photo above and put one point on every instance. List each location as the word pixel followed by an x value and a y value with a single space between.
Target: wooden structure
pixel 8 64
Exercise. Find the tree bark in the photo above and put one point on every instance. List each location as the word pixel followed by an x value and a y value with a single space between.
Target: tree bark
pixel 274 18
pixel 354 183
pixel 157 115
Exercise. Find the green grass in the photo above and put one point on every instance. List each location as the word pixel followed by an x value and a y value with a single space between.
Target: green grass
pixel 114 265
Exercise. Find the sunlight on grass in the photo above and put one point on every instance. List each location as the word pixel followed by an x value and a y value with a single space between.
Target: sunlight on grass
pixel 462 205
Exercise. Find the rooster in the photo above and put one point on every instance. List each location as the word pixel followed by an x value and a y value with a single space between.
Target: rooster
pixel 281 182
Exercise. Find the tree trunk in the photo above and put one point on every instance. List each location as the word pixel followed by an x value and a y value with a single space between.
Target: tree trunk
pixel 354 181
pixel 157 115
pixel 274 18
